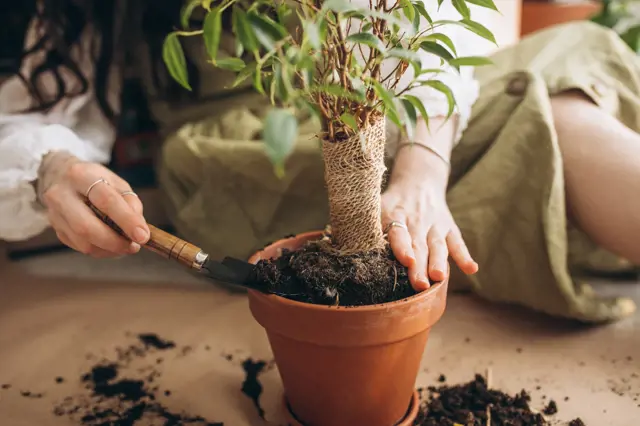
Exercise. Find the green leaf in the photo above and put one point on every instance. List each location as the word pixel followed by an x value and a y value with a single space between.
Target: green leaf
pixel 632 38
pixel 422 11
pixel 442 38
pixel 350 121
pixel 410 118
pixel 418 105
pixel 267 31
pixel 424 71
pixel 367 39
pixel 187 11
pixel 462 8
pixel 470 61
pixel 206 4
pixel 244 74
pixel 479 29
pixel 407 55
pixel 387 100
pixel 257 81
pixel 239 48
pixel 489 4
pixel 243 30
pixel 312 34
pixel 212 31
pixel 232 64
pixel 173 57
pixel 279 134
pixel 408 10
pixel 283 11
pixel 436 49
pixel 443 88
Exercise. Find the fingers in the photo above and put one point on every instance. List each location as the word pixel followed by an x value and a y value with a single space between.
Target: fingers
pixel 438 255
pixel 71 239
pixel 400 241
pixel 126 192
pixel 81 229
pixel 133 201
pixel 109 200
pixel 460 253
pixel 418 272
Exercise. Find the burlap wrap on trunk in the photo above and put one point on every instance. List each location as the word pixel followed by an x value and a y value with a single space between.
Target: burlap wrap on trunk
pixel 354 170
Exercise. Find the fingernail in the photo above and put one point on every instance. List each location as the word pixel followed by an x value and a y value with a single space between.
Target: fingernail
pixel 423 283
pixel 140 235
pixel 134 247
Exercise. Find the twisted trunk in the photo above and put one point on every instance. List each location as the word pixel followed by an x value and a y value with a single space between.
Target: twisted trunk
pixel 354 170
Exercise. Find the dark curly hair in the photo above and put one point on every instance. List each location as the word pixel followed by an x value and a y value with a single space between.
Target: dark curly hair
pixel 61 23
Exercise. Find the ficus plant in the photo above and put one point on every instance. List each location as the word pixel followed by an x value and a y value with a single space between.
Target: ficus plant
pixel 342 62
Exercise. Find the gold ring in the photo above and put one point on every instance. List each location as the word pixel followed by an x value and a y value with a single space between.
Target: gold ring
pixel 101 180
pixel 394 223
pixel 129 193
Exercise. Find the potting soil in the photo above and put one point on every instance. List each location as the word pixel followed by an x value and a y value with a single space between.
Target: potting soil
pixel 475 404
pixel 319 276
pixel 115 397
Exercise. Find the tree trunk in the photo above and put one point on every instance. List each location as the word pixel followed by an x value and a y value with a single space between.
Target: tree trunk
pixel 354 170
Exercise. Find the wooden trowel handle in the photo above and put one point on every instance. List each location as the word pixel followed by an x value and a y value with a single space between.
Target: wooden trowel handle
pixel 163 243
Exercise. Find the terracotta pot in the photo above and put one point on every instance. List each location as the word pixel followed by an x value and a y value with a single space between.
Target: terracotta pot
pixel 347 366
pixel 537 15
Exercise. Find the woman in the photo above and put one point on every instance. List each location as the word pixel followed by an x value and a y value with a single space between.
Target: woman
pixel 540 182
pixel 212 184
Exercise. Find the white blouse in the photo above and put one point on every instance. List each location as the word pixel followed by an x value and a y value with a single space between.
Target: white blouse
pixel 77 125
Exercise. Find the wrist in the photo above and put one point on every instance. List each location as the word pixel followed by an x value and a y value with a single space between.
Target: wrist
pixel 53 166
pixel 416 167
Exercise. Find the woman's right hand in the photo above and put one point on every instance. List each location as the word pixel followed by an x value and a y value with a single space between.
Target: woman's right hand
pixel 64 184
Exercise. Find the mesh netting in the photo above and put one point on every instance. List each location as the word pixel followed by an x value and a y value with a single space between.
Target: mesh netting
pixel 354 170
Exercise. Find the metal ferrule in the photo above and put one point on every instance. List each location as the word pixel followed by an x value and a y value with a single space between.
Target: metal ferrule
pixel 199 260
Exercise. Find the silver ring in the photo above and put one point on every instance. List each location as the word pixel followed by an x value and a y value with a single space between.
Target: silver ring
pixel 394 223
pixel 101 180
pixel 129 193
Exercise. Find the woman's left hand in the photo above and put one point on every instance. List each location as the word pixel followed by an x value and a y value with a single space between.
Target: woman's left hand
pixel 431 234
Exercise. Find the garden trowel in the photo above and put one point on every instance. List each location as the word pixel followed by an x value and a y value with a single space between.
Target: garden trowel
pixel 228 271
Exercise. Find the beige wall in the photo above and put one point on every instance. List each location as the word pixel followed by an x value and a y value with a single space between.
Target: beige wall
pixel 504 25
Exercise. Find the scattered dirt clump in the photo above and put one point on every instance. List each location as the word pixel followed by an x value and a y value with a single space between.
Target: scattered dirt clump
pixel 475 404
pixel 251 386
pixel 551 408
pixel 115 394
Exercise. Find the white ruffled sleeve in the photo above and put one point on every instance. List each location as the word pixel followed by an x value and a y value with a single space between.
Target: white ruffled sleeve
pixel 76 125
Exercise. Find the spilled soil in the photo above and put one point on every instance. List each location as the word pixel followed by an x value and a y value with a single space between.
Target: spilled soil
pixel 251 386
pixel 124 389
pixel 316 275
pixel 117 397
pixel 475 404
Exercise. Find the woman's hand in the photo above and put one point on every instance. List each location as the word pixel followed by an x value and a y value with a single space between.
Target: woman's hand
pixel 431 234
pixel 416 199
pixel 63 184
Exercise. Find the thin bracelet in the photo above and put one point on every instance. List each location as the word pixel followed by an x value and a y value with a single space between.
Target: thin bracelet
pixel 428 148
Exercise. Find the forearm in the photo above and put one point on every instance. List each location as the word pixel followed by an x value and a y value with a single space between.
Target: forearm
pixel 415 165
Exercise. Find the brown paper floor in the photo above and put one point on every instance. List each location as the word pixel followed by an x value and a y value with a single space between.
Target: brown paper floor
pixel 48 325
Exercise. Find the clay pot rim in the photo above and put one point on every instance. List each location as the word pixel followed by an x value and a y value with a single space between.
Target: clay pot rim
pixel 366 308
